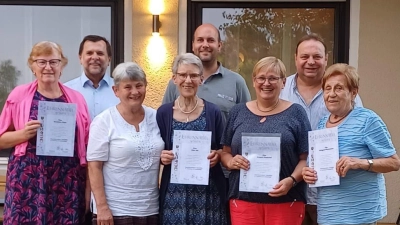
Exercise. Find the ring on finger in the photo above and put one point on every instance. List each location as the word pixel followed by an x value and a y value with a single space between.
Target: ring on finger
pixel 237 164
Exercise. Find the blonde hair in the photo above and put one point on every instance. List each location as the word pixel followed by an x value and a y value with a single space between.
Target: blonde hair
pixel 352 77
pixel 46 48
pixel 272 64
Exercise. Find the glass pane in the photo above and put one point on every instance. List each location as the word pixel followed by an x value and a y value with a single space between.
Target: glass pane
pixel 249 34
pixel 23 26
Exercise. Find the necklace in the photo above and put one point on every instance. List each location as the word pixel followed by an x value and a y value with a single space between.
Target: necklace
pixel 263 118
pixel 329 120
pixel 51 95
pixel 188 112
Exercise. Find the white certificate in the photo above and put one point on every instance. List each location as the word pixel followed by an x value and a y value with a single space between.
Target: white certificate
pixel 191 149
pixel 264 153
pixel 56 136
pixel 323 155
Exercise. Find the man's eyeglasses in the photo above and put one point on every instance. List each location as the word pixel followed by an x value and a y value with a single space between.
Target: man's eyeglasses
pixel 193 76
pixel 52 62
pixel 271 80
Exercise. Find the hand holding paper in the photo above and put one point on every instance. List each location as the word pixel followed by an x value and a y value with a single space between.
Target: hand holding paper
pixel 239 162
pixel 213 157
pixel 166 157
pixel 30 129
pixel 309 175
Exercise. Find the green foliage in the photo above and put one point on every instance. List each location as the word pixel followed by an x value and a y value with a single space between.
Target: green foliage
pixel 8 79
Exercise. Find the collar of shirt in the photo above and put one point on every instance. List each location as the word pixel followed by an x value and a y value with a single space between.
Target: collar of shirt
pixel 293 84
pixel 218 72
pixel 218 69
pixel 85 80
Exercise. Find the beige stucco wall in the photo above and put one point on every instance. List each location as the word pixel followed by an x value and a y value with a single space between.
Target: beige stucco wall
pixel 379 68
pixel 163 48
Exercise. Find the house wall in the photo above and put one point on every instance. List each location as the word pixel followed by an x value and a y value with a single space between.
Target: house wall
pixel 379 68
pixel 155 54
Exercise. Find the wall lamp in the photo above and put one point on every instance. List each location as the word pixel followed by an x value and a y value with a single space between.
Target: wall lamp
pixel 156 8
pixel 156 25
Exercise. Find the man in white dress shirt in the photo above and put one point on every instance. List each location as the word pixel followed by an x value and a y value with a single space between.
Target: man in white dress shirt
pixel 95 84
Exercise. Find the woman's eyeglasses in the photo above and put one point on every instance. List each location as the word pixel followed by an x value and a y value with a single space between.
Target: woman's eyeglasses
pixel 271 80
pixel 52 62
pixel 193 76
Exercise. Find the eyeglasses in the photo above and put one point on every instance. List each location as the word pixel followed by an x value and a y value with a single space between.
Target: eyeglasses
pixel 271 80
pixel 193 76
pixel 52 62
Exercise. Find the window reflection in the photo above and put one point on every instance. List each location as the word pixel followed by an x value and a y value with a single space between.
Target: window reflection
pixel 249 34
pixel 22 26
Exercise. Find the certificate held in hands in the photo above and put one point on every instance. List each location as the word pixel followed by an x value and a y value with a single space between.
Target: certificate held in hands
pixel 191 149
pixel 264 154
pixel 323 155
pixel 56 136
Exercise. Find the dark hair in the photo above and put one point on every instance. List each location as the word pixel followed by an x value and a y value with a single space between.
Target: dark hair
pixel 95 38
pixel 312 36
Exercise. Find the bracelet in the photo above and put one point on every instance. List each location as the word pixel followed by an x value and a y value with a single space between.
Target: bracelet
pixel 294 180
pixel 371 163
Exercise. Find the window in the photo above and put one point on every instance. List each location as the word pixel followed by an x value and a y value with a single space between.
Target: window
pixel 24 23
pixel 251 31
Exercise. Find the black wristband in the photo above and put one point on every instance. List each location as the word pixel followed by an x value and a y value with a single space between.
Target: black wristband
pixel 294 180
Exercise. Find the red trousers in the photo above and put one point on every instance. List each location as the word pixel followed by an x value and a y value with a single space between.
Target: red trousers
pixel 248 213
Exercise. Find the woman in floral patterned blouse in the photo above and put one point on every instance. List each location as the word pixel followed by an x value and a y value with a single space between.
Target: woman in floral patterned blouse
pixel 43 189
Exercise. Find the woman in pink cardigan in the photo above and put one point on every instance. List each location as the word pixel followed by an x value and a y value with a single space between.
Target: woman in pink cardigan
pixel 43 189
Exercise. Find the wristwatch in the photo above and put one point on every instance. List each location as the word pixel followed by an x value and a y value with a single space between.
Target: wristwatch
pixel 371 163
pixel 294 181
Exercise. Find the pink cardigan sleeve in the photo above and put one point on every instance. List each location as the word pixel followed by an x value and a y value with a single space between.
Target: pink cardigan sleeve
pixel 6 117
pixel 16 111
pixel 82 120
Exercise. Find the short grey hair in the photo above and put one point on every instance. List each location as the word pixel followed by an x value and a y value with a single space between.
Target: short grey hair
pixel 186 59
pixel 128 71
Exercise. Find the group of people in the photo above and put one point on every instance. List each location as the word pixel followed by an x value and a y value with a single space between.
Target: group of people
pixel 121 143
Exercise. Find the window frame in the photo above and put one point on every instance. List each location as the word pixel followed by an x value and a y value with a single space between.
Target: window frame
pixel 342 20
pixel 117 19
pixel 117 27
